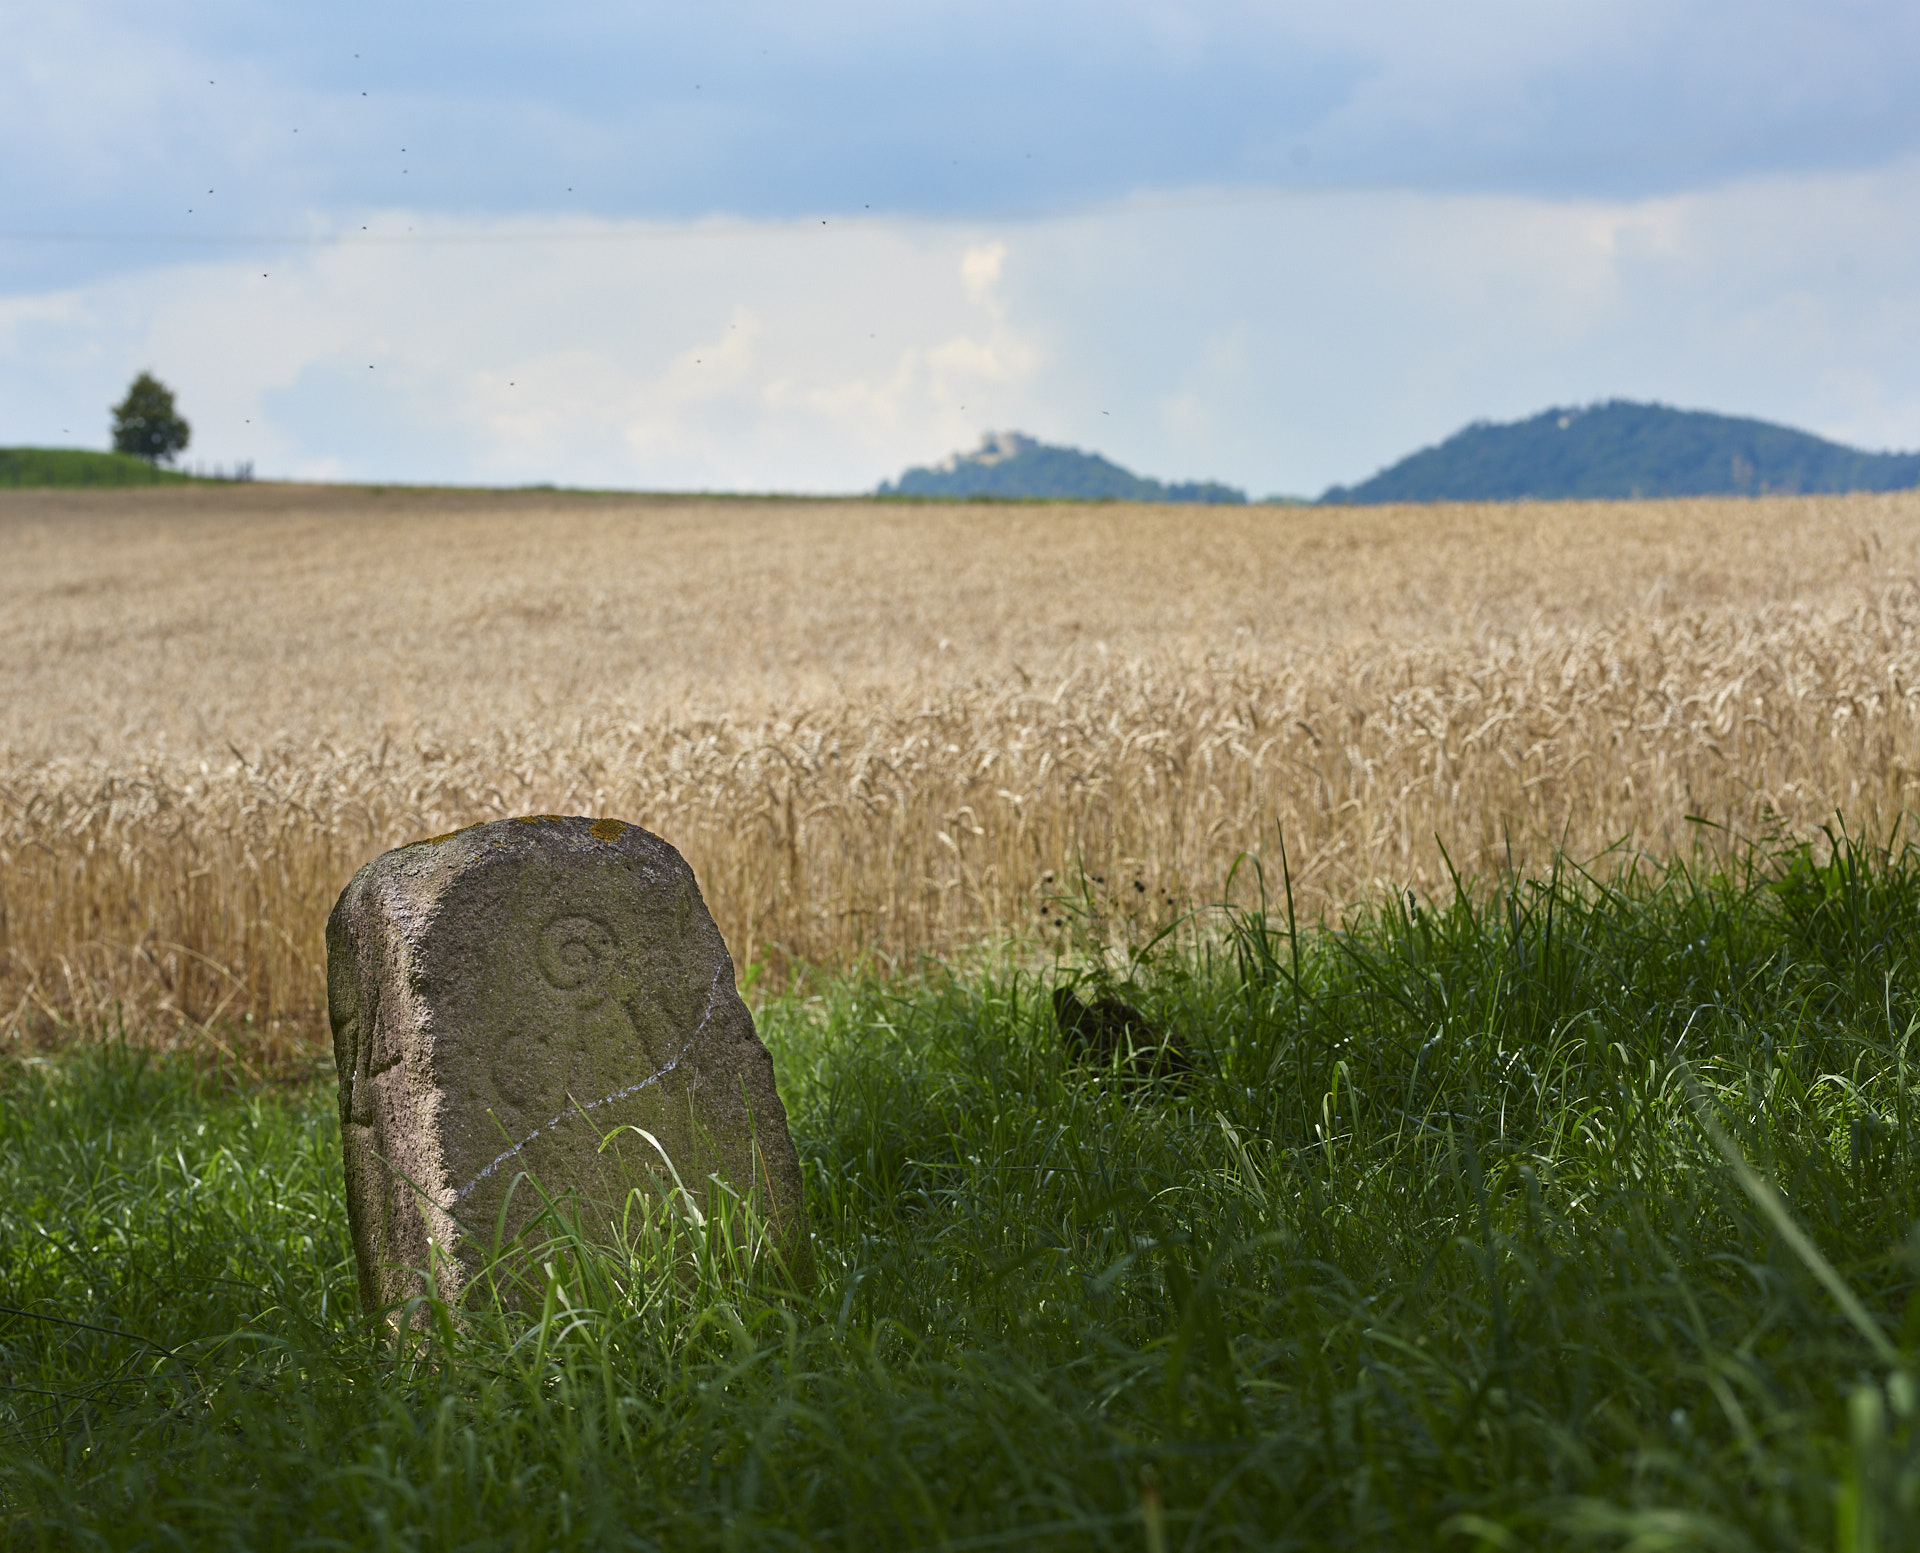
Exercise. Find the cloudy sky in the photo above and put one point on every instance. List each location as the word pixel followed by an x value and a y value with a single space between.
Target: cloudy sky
pixel 735 245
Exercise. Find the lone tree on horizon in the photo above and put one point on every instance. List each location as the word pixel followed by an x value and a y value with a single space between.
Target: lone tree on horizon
pixel 146 424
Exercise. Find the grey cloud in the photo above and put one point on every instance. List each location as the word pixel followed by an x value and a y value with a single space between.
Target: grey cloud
pixel 831 109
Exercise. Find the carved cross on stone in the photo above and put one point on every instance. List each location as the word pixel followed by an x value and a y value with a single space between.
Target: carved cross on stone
pixel 505 1000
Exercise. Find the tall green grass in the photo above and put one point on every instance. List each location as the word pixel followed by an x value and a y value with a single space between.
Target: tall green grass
pixel 1579 1212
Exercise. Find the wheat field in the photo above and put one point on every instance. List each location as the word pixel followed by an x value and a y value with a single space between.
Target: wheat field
pixel 881 731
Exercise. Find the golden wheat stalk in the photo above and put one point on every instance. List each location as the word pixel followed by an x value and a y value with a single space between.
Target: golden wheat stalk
pixel 157 875
pixel 876 830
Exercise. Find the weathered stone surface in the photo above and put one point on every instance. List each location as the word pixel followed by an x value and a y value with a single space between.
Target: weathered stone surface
pixel 505 998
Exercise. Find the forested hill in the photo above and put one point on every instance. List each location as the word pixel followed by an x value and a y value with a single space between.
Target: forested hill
pixel 1007 464
pixel 1622 449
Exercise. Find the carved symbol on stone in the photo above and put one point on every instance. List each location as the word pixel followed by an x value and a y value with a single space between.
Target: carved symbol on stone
pixel 343 1010
pixel 538 1064
pixel 521 1069
pixel 357 1033
pixel 574 952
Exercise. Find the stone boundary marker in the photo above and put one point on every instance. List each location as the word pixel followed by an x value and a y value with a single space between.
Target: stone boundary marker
pixel 505 998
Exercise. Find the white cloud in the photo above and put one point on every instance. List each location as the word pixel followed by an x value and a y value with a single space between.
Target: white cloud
pixel 980 268
pixel 700 355
pixel 1282 343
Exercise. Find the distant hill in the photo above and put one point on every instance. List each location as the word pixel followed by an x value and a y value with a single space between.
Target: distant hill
pixel 1008 464
pixel 1622 449
pixel 78 466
